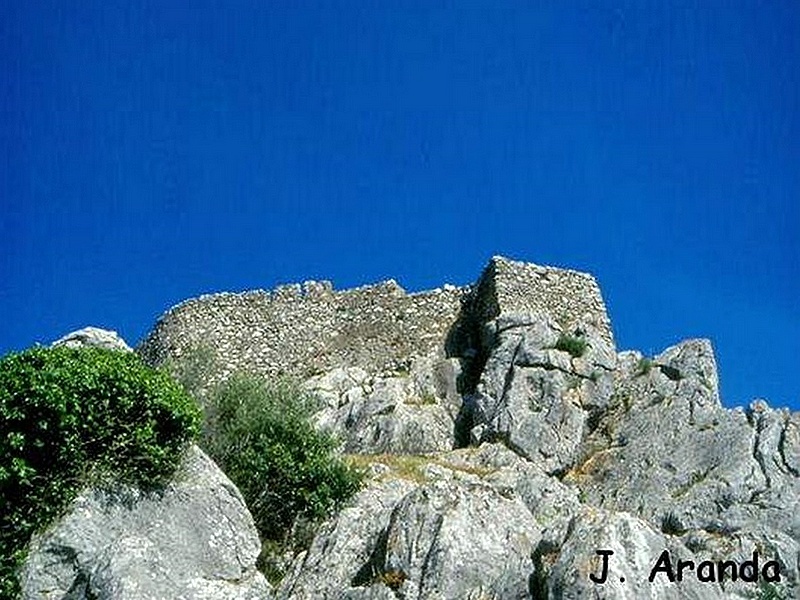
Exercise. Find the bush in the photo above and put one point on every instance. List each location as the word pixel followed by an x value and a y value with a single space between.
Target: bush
pixel 74 416
pixel 576 346
pixel 770 591
pixel 643 366
pixel 261 436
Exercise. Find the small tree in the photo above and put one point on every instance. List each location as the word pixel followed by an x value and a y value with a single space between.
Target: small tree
pixel 261 435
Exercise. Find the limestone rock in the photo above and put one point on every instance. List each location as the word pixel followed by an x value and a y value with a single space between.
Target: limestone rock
pixel 564 446
pixel 695 463
pixel 453 539
pixel 340 556
pixel 196 541
pixel 93 337
pixel 400 414
pixel 535 396
pixel 719 479
pixel 563 574
pixel 459 524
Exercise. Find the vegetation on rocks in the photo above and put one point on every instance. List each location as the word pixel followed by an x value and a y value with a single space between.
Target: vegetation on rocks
pixel 770 591
pixel 569 450
pixel 574 345
pixel 260 433
pixel 70 417
pixel 644 366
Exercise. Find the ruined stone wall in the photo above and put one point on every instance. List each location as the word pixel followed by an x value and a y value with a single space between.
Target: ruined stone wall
pixel 301 331
pixel 569 297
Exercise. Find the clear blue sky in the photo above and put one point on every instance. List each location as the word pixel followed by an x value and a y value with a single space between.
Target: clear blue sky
pixel 152 152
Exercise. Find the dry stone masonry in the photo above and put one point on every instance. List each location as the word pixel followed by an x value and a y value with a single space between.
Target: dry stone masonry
pixel 569 297
pixel 303 331
pixel 309 330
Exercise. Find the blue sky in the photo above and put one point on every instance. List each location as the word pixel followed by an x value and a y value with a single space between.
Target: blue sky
pixel 151 153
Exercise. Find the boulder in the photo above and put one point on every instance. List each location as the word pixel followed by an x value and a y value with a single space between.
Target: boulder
pixel 93 337
pixel 459 524
pixel 535 390
pixel 340 559
pixel 634 547
pixel 401 414
pixel 195 540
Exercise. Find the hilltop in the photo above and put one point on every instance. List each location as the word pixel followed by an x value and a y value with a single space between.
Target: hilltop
pixel 507 440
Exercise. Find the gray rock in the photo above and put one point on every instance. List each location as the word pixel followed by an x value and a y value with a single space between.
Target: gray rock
pixel 340 558
pixel 535 396
pixel 551 503
pixel 563 573
pixel 574 447
pixel 453 538
pixel 196 540
pixel 669 452
pixel 739 546
pixel 374 592
pixel 460 524
pixel 403 414
pixel 93 337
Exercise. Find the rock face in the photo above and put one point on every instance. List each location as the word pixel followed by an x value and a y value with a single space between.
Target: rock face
pixel 507 442
pixel 564 574
pixel 196 540
pixel 460 524
pixel 537 386
pixel 399 414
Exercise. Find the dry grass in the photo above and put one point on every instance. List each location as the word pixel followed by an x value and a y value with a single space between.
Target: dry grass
pixel 412 466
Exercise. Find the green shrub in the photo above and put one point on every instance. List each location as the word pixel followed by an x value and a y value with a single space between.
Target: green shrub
pixel 261 436
pixel 576 346
pixel 194 369
pixel 70 417
pixel 770 591
pixel 643 366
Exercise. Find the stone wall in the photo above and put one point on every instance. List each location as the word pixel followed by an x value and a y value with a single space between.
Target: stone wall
pixel 304 331
pixel 301 331
pixel 569 297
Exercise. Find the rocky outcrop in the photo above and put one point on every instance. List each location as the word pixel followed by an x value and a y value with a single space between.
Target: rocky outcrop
pixel 93 337
pixel 538 385
pixel 460 524
pixel 195 540
pixel 507 442
pixel 575 448
pixel 407 413
pixel 718 480
pixel 631 550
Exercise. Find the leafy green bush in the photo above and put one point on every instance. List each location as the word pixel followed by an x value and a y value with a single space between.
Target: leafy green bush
pixel 576 346
pixel 261 436
pixel 70 417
